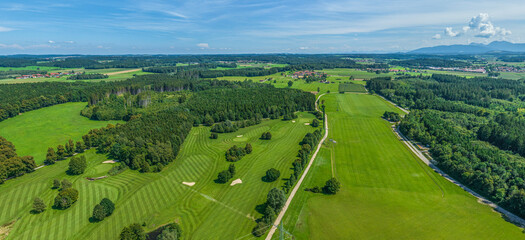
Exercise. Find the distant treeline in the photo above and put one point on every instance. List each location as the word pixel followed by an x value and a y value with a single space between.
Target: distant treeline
pixel 430 62
pixel 88 76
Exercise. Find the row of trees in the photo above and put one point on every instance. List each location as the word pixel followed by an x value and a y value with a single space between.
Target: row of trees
pixel 11 165
pixel 88 76
pixel 235 153
pixel 275 201
pixel 64 151
pixel 135 231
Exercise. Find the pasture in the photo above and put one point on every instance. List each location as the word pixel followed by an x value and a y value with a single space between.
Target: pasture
pixel 351 87
pixel 34 131
pixel 207 210
pixel 386 193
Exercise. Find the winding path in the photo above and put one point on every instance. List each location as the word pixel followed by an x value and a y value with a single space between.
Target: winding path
pixel 298 185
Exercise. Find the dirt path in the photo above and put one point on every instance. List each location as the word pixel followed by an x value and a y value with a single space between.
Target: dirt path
pixel 508 216
pixel 298 185
pixel 127 71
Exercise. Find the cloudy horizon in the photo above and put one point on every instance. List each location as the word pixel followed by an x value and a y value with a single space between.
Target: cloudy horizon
pixel 227 26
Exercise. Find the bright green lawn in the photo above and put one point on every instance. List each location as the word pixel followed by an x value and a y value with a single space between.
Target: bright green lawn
pixel 386 193
pixel 207 210
pixel 33 132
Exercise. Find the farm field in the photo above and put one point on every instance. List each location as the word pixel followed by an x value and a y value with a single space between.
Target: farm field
pixel 207 210
pixel 34 131
pixel 351 87
pixel 115 77
pixel 386 193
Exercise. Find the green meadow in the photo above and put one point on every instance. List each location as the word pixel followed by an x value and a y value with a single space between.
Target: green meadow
pixel 387 192
pixel 35 131
pixel 115 77
pixel 207 210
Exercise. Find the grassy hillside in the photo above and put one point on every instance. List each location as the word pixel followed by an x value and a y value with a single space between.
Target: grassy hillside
pixel 33 132
pixel 207 210
pixel 387 193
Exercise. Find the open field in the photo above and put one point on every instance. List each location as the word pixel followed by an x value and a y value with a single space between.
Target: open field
pixel 387 193
pixel 40 68
pixel 351 87
pixel 33 132
pixel 206 210
pixel 115 74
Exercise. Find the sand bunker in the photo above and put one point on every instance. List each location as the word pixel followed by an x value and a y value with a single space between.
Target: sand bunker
pixel 307 124
pixel 110 161
pixel 293 121
pixel 188 183
pixel 239 136
pixel 236 181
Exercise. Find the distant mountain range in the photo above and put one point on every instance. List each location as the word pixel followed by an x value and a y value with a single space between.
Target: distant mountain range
pixel 473 48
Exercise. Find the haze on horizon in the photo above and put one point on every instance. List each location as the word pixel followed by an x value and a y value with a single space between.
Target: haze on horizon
pixel 227 26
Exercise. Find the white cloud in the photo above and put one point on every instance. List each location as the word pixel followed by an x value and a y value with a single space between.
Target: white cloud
pixel 5 29
pixel 203 45
pixel 304 48
pixel 437 36
pixel 70 42
pixel 480 26
pixel 449 32
pixel 51 41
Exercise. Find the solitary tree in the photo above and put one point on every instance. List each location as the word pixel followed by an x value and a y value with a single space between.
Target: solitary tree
pixel 332 186
pixel 272 174
pixel 77 165
pixel 108 205
pixel 38 205
pixel 290 83
pixel 51 156
pixel 99 213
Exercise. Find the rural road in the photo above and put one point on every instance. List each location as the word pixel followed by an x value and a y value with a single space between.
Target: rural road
pixel 298 185
pixel 127 71
pixel 510 216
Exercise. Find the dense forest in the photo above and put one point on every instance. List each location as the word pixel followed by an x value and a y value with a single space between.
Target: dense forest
pixel 474 128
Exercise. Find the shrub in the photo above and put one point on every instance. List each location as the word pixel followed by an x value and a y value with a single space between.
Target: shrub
pixel 99 213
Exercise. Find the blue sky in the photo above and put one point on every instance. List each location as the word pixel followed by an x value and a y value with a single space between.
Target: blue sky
pixel 224 26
